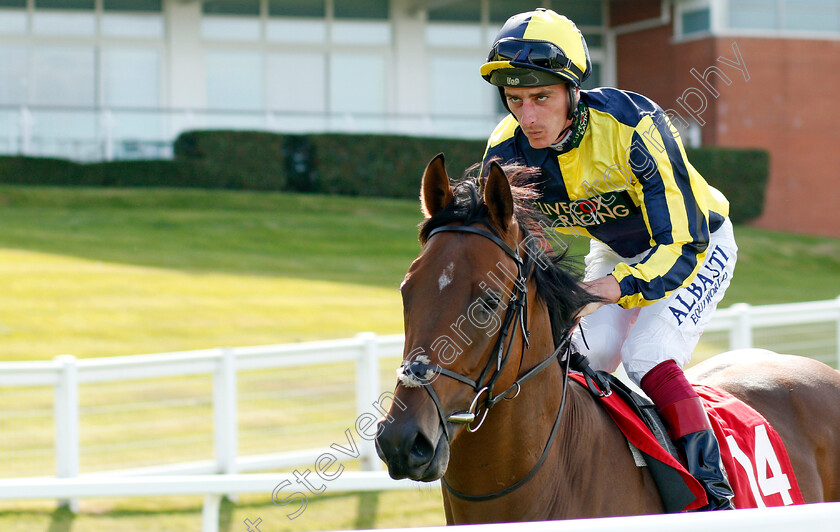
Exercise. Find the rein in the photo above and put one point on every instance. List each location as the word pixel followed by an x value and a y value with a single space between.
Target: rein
pixel 517 311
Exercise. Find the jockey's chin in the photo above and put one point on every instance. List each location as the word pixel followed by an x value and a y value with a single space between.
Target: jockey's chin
pixel 541 140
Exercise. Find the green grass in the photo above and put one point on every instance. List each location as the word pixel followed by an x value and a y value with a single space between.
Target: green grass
pixel 99 273
pixel 330 511
pixel 776 267
pixel 115 272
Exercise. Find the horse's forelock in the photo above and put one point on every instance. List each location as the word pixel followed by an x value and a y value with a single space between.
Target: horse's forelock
pixel 468 204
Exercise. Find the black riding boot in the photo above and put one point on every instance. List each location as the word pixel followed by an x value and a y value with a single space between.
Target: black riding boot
pixel 689 427
pixel 702 455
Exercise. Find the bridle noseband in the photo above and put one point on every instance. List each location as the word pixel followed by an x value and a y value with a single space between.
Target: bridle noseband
pixel 418 371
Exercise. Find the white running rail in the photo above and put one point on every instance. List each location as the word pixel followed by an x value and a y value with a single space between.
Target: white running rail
pixel 65 374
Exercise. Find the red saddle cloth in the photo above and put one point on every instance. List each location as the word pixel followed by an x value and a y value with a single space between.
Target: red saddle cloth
pixel 753 454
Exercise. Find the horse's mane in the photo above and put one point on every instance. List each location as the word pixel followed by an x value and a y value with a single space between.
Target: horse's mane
pixel 557 285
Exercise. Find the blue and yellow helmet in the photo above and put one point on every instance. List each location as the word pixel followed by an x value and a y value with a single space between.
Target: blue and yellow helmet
pixel 538 48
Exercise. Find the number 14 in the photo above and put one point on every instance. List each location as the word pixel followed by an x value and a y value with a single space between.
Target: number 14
pixel 765 458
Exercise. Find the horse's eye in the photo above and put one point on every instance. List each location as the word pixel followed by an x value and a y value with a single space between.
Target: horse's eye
pixel 492 299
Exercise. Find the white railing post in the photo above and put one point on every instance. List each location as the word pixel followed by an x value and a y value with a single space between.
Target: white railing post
pixel 740 336
pixel 225 433
pixel 367 395
pixel 210 513
pixel 108 125
pixel 26 126
pixel 67 424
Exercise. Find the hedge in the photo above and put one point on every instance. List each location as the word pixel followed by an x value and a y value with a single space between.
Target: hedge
pixel 740 174
pixel 356 165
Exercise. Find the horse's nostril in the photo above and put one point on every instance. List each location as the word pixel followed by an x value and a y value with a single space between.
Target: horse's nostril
pixel 422 451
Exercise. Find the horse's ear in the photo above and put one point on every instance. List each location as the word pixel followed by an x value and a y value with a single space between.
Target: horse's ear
pixel 435 193
pixel 498 197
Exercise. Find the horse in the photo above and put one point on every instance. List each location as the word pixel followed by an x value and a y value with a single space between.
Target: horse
pixel 482 404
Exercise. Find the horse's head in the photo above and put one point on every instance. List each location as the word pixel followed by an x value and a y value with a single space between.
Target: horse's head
pixel 469 302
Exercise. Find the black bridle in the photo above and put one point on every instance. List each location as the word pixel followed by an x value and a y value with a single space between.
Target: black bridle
pixel 517 312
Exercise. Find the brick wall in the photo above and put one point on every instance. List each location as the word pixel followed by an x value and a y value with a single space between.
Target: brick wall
pixel 790 106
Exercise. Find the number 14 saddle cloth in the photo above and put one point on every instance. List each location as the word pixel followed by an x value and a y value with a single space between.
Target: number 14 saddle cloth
pixel 753 454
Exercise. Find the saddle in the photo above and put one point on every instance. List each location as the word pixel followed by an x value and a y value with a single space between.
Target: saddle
pixel 602 384
pixel 755 458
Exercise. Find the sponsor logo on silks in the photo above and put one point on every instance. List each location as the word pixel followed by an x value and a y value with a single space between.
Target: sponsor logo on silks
pixel 580 124
pixel 512 81
pixel 703 289
pixel 602 209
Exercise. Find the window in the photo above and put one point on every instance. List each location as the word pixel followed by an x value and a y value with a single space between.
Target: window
pixel 361 9
pixel 594 40
pixel 297 8
pixel 581 13
pixel 297 82
pixel 695 18
pixel 13 63
pixel 141 6
pixel 696 21
pixel 361 22
pixel 371 32
pixel 133 26
pixel 812 15
pixel 785 15
pixel 234 80
pixel 63 76
pixel 753 14
pixel 13 17
pixel 357 83
pixel 465 11
pixel 454 35
pixel 455 25
pixel 296 31
pixel 231 20
pixel 297 21
pixel 501 10
pixel 130 77
pixel 474 95
pixel 133 19
pixel 64 17
pixel 231 7
pixel 65 4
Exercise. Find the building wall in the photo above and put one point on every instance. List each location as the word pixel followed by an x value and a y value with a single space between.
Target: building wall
pixel 623 12
pixel 788 106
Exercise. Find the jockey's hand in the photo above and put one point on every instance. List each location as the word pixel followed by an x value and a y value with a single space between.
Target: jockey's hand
pixel 606 288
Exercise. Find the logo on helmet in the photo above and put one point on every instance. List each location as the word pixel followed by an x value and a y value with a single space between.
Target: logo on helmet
pixel 512 81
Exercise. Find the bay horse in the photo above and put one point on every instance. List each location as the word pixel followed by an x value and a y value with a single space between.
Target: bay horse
pixel 486 311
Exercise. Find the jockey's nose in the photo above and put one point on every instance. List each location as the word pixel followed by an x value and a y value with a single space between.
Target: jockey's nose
pixel 529 113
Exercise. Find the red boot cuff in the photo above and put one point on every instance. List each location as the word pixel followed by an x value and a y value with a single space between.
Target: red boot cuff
pixel 685 417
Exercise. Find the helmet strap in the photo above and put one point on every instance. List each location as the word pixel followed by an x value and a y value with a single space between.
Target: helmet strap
pixel 567 139
pixel 574 96
pixel 562 136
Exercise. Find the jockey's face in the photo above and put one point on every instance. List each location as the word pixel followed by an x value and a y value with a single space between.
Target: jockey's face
pixel 542 112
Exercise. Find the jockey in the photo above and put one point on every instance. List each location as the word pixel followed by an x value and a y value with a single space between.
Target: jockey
pixel 613 169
